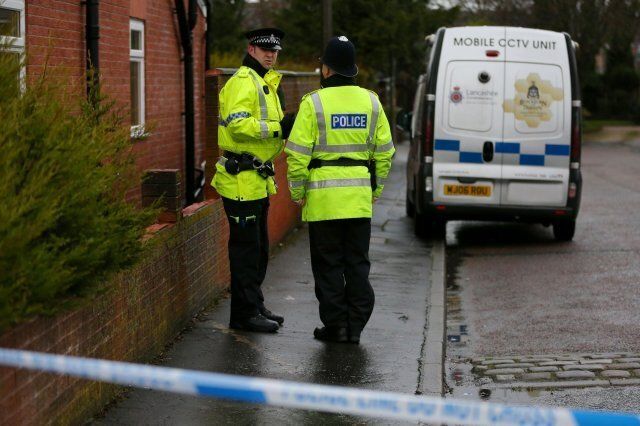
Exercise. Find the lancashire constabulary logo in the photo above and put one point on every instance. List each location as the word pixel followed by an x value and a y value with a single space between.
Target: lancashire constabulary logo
pixel 456 95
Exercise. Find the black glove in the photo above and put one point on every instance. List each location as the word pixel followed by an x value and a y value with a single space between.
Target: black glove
pixel 287 124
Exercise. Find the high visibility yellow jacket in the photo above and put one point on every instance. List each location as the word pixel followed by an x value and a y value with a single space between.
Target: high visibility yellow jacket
pixel 338 122
pixel 249 122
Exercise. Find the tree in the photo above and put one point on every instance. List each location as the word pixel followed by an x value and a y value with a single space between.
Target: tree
pixel 595 24
pixel 621 78
pixel 302 23
pixel 384 32
pixel 227 29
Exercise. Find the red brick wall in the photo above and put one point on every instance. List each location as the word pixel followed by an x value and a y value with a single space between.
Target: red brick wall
pixel 185 269
pixel 165 88
pixel 55 32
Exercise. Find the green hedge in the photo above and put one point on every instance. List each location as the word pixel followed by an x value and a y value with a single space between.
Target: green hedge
pixel 65 166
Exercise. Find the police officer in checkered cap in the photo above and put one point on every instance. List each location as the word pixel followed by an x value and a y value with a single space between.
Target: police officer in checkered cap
pixel 265 38
pixel 252 129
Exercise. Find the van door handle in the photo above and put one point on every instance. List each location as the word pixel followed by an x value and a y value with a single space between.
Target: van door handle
pixel 467 180
pixel 487 151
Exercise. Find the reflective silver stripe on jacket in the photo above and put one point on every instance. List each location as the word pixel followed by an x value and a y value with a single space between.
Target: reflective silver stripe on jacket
pixel 337 183
pixel 298 148
pixel 375 104
pixel 386 147
pixel 296 183
pixel 264 130
pixel 357 147
pixel 264 114
pixel 222 161
pixel 322 127
pixel 380 181
pixel 263 100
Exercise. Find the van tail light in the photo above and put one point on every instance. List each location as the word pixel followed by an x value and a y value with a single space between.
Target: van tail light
pixel 427 142
pixel 428 184
pixel 576 136
pixel 573 190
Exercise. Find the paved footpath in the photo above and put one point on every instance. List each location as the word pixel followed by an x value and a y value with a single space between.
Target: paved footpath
pixel 393 354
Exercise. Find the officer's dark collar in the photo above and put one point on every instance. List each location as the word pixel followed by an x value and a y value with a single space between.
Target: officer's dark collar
pixel 337 80
pixel 251 62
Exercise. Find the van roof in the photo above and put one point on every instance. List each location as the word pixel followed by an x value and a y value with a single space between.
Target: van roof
pixel 502 43
pixel 513 30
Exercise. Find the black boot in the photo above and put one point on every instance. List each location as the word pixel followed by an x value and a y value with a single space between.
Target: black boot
pixel 332 334
pixel 257 323
pixel 270 315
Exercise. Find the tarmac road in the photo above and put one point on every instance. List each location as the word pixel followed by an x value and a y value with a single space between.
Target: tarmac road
pixel 391 356
pixel 513 293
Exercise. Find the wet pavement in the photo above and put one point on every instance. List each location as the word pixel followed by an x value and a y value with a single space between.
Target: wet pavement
pixel 515 294
pixel 392 355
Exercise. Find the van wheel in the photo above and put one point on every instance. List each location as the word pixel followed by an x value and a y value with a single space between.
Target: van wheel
pixel 427 227
pixel 564 230
pixel 421 225
pixel 439 228
pixel 409 206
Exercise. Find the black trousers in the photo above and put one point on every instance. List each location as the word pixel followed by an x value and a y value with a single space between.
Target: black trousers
pixel 248 254
pixel 340 264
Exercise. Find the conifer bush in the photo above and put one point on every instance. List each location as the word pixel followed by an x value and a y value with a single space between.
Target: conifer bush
pixel 65 166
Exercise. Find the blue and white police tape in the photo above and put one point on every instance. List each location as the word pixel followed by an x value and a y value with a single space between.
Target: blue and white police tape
pixel 334 399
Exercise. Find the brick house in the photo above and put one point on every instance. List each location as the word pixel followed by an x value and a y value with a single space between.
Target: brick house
pixel 139 60
pixel 140 63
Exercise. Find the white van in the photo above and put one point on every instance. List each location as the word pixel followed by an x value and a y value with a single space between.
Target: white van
pixel 496 130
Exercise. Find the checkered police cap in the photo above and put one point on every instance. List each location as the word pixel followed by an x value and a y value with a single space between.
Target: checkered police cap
pixel 266 38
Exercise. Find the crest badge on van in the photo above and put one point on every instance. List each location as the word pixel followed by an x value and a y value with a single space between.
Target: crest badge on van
pixel 533 100
pixel 456 95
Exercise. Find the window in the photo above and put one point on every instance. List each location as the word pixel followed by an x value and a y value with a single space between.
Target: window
pixel 136 66
pixel 9 22
pixel 12 29
pixel 418 102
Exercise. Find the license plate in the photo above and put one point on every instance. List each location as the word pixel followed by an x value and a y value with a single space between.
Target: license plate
pixel 468 190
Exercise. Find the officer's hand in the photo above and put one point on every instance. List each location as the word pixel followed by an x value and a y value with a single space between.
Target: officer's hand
pixel 374 199
pixel 287 124
pixel 299 202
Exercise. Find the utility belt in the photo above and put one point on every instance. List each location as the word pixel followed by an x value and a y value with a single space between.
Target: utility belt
pixel 237 163
pixel 348 162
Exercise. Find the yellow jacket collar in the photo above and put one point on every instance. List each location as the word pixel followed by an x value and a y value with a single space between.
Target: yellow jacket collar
pixel 272 77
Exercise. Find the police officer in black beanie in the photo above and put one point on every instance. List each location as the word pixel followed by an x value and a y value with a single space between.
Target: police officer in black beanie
pixel 339 155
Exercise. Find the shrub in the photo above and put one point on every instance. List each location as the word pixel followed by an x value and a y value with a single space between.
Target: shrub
pixel 65 226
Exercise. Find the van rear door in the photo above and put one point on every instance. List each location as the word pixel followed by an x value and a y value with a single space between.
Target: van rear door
pixel 537 119
pixel 469 117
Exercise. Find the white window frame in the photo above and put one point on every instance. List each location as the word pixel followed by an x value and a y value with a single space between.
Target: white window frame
pixel 203 7
pixel 137 55
pixel 17 43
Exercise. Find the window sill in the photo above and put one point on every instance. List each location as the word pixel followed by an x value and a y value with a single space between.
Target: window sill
pixel 139 132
